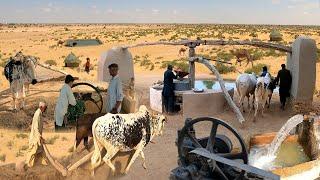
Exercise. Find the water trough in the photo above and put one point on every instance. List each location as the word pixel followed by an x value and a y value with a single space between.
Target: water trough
pixel 296 157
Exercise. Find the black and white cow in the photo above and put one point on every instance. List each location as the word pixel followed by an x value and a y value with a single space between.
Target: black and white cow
pixel 124 132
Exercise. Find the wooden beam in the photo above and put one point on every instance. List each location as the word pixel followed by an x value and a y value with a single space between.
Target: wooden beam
pixel 55 163
pixel 261 173
pixel 261 44
pixel 80 162
pixel 227 96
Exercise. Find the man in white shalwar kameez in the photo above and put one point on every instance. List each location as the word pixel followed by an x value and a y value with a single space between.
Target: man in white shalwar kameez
pixel 66 97
pixel 35 138
pixel 115 93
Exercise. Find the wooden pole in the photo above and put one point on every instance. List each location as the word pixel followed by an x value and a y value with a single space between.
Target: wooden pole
pixel 192 67
pixel 80 162
pixel 221 82
pixel 55 164
pixel 218 42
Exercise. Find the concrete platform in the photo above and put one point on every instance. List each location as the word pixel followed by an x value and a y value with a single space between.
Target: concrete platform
pixel 204 104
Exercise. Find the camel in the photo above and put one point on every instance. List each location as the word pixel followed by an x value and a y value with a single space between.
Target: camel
pixel 182 51
pixel 20 71
pixel 240 54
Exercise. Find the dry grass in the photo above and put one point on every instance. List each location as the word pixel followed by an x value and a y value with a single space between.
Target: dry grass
pixel 52 140
pixel 3 157
pixel 22 136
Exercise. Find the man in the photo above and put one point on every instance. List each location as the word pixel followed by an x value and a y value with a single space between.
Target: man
pixel 35 139
pixel 115 93
pixel 264 71
pixel 66 97
pixel 87 66
pixel 168 90
pixel 285 78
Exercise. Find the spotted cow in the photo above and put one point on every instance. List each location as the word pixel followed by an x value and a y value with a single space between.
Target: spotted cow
pixel 124 132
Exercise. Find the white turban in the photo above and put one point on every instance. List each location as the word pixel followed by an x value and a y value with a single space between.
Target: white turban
pixel 42 104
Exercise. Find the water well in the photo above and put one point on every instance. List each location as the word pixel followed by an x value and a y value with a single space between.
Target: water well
pixel 211 100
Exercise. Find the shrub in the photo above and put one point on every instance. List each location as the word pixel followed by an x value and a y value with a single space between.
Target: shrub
pixel 224 69
pixel 21 135
pixel 3 63
pixel 3 157
pixel 256 68
pixel 52 140
pixel 10 144
pixel 51 62
pixel 225 56
pixel 181 63
pixel 24 147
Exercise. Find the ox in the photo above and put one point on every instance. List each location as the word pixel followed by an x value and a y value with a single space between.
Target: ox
pixel 124 132
pixel 261 94
pixel 245 85
pixel 84 128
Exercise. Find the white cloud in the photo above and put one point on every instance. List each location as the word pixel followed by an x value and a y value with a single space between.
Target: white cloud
pixel 46 9
pixel 155 11
pixel 275 1
pixel 175 12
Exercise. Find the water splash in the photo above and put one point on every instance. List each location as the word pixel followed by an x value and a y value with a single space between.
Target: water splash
pixel 264 158
pixel 283 133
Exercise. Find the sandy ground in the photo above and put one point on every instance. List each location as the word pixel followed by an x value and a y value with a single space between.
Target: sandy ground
pixel 161 157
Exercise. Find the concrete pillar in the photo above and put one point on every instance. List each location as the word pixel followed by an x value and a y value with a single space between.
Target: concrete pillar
pixel 302 64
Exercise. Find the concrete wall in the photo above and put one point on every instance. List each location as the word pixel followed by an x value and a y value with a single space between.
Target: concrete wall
pixel 302 64
pixel 120 56
pixel 208 103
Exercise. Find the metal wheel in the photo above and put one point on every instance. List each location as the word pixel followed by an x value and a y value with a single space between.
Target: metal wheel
pixel 186 132
pixel 88 96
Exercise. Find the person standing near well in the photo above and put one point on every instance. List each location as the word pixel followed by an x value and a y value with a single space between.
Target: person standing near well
pixel 284 76
pixel 65 98
pixel 115 93
pixel 35 138
pixel 168 90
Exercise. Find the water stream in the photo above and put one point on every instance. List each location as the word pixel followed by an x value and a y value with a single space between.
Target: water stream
pixel 264 157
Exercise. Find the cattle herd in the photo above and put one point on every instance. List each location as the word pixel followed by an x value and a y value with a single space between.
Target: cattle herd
pixel 259 88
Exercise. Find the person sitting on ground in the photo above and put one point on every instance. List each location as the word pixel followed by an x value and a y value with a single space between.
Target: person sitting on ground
pixel 87 66
pixel 284 76
pixel 115 93
pixel 36 140
pixel 65 98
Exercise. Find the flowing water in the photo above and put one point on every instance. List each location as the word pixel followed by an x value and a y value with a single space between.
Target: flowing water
pixel 264 157
pixel 283 133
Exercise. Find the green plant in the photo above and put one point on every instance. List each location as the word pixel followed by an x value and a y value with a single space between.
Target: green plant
pixel 225 56
pixel 256 68
pixel 52 140
pixel 181 63
pixel 51 62
pixel 21 135
pixel 224 69
pixel 3 157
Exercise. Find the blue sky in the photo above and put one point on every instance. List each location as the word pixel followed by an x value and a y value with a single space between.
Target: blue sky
pixel 161 11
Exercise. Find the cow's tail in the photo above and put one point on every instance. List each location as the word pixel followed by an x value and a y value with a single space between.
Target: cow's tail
pixel 96 157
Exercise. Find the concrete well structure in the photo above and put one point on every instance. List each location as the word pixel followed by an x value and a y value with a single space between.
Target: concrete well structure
pixel 302 64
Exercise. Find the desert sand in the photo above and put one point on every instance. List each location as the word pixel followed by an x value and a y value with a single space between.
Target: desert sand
pixel 41 41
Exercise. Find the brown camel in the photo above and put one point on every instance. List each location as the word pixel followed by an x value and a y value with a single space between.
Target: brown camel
pixel 182 51
pixel 241 54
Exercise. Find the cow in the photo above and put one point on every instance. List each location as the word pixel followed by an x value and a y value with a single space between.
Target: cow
pixel 245 85
pixel 84 128
pixel 124 133
pixel 261 94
